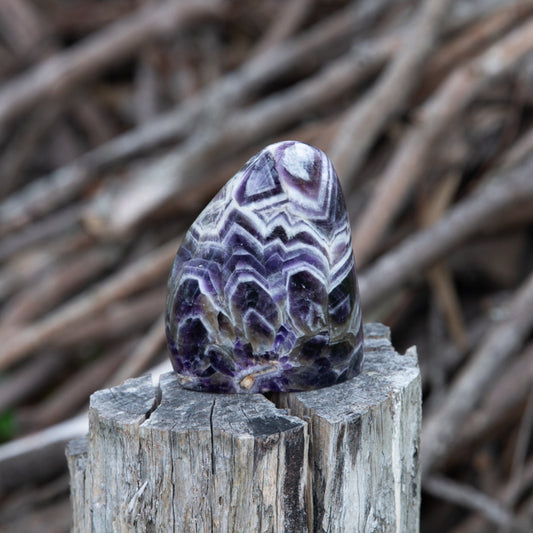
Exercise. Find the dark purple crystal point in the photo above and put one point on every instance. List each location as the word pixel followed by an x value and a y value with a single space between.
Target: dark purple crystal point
pixel 263 292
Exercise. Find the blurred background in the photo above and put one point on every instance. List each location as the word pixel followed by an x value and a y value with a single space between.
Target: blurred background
pixel 119 121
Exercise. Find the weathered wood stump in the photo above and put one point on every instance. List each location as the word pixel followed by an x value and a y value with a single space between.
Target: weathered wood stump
pixel 339 459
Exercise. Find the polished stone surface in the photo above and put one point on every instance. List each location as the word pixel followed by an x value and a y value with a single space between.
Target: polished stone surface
pixel 263 293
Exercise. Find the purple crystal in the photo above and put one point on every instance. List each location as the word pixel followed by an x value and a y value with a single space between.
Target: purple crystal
pixel 263 292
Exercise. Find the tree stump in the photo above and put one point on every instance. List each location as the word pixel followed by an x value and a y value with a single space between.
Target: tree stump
pixel 338 459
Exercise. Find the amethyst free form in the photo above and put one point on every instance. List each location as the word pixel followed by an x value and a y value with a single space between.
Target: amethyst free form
pixel 263 292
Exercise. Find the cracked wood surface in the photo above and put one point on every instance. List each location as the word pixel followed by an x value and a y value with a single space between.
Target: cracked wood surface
pixel 343 458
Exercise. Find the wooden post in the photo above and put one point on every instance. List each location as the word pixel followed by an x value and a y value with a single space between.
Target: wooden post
pixel 339 459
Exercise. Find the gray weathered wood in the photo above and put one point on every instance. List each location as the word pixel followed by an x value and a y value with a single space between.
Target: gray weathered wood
pixel 364 442
pixel 340 459
pixel 77 464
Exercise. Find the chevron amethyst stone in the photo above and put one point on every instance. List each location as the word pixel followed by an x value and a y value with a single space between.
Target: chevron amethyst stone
pixel 263 293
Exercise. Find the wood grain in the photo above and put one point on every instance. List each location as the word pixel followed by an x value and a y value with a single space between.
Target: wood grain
pixel 343 458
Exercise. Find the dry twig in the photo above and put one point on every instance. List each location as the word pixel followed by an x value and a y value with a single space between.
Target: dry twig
pixel 471 498
pixel 500 405
pixel 151 186
pixel 442 428
pixel 33 457
pixel 151 267
pixel 72 275
pixel 468 217
pixel 48 192
pixel 365 122
pixel 437 114
pixel 439 275
pixel 145 351
pixel 55 76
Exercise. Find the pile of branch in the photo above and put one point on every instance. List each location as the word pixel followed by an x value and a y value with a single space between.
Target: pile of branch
pixel 119 123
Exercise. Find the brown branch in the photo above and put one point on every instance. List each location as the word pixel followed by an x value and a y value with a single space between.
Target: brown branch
pixel 75 18
pixel 444 358
pixel 51 227
pixel 314 46
pixel 435 116
pixel 144 271
pixel 119 319
pixel 442 428
pixel 285 23
pixel 70 276
pixel 464 14
pixel 439 275
pixel 366 120
pixel 29 380
pixel 15 157
pixel 469 497
pixel 23 28
pixel 74 393
pixel 518 485
pixel 146 350
pixel 525 432
pixel 506 190
pixel 476 37
pixel 151 186
pixel 500 406
pixel 477 524
pixel 58 74
pixel 22 270
pixel 34 40
pixel 39 455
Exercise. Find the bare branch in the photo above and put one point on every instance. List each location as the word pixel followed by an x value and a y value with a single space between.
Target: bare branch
pixel 151 267
pixel 151 186
pixel 506 190
pixel 412 157
pixel 318 43
pixel 470 498
pixel 147 349
pixel 442 428
pixel 55 76
pixel 366 120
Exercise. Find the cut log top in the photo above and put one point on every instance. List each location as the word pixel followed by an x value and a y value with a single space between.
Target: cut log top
pixel 343 458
